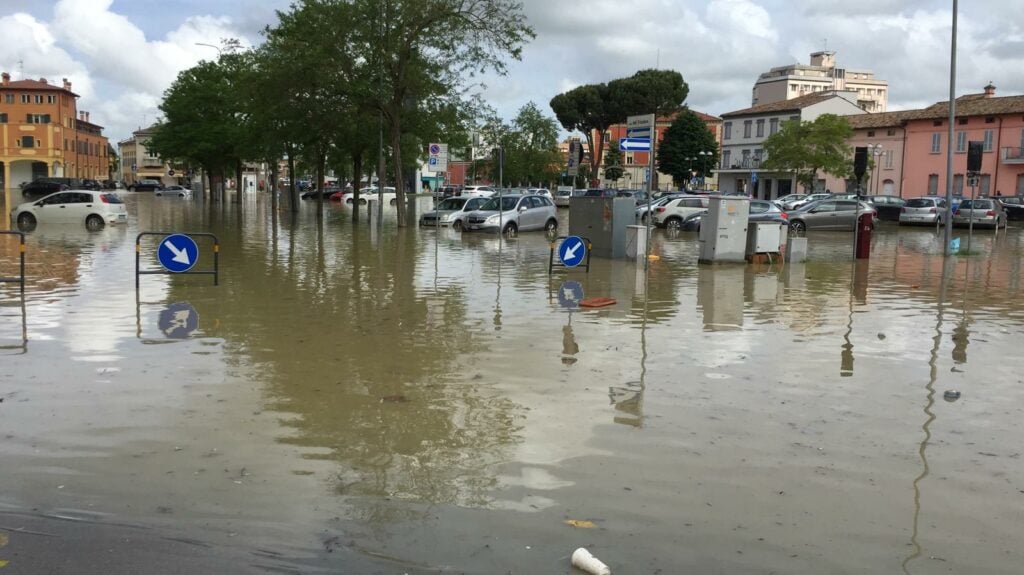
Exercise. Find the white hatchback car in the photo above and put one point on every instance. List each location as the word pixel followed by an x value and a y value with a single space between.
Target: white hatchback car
pixel 94 209
pixel 672 214
pixel 478 191
pixel 174 191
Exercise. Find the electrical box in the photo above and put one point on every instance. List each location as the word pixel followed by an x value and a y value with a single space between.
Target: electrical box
pixel 723 232
pixel 766 238
pixel 604 221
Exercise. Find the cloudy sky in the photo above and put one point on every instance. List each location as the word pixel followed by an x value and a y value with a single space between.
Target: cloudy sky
pixel 121 54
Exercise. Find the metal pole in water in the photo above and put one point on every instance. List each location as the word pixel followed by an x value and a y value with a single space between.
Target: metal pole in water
pixel 947 236
pixel 650 190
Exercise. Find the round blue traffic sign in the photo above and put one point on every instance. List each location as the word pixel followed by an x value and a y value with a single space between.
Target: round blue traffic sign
pixel 178 253
pixel 179 320
pixel 572 251
pixel 570 294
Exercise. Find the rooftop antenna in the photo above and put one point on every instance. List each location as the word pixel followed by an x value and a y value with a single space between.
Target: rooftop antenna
pixel 21 67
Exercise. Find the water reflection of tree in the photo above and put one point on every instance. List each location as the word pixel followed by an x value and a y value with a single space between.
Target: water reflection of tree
pixel 365 362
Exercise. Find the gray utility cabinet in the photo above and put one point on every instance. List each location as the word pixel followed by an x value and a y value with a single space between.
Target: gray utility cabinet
pixel 604 221
pixel 723 233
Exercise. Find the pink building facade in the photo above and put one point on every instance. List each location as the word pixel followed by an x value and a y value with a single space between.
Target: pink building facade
pixel 885 136
pixel 998 122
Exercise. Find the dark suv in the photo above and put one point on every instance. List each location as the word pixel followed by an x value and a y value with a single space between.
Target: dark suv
pixel 145 186
pixel 40 188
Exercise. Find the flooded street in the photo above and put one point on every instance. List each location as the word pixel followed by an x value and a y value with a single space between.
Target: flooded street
pixel 358 398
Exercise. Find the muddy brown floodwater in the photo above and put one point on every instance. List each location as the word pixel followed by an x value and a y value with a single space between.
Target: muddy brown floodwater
pixel 358 398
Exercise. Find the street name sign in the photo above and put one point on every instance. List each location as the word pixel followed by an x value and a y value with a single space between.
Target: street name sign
pixel 640 126
pixel 178 253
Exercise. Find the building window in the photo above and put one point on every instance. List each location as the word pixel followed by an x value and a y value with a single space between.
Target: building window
pixel 746 159
pixel 961 142
pixel 728 131
pixel 937 123
pixel 793 87
pixel 760 128
pixel 962 121
pixel 747 124
pixel 727 153
pixel 888 159
pixel 51 99
pixel 773 126
pixel 8 98
pixel 28 142
pixel 988 140
pixel 936 143
pixel 26 99
pixel 794 118
pixel 758 155
pixel 65 144
pixel 39 98
pixel 3 118
pixel 890 132
pixel 871 133
pixel 990 120
pixel 37 118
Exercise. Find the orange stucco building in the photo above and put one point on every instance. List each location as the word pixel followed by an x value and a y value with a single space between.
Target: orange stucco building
pixel 43 134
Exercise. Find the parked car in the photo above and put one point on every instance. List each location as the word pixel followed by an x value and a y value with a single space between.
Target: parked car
pixel 390 197
pixel 760 211
pixel 174 191
pixel 562 197
pixel 929 210
pixel 829 215
pixel 888 207
pixel 671 214
pixel 40 188
pixel 517 213
pixel 452 212
pixel 145 186
pixel 1014 207
pixel 94 209
pixel 984 212
pixel 442 192
pixel 787 200
pixel 540 192
pixel 482 191
pixel 641 208
pixel 790 206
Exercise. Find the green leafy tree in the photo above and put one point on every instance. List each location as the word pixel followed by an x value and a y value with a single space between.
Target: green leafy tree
pixel 613 163
pixel 806 148
pixel 593 108
pixel 688 137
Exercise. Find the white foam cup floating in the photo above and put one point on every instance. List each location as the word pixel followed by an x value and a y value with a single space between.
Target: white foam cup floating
pixel 582 559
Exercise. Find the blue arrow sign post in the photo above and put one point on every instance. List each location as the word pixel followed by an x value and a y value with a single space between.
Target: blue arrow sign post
pixel 635 144
pixel 572 252
pixel 178 253
pixel 570 294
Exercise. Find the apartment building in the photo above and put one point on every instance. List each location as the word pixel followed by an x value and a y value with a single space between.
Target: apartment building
pixel 744 132
pixel 821 75
pixel 138 162
pixel 42 133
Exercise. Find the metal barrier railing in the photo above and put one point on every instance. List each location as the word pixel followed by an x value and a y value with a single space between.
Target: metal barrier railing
pixel 215 272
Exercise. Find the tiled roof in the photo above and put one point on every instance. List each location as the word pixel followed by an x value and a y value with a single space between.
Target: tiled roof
pixel 701 115
pixel 794 105
pixel 879 120
pixel 972 105
pixel 35 85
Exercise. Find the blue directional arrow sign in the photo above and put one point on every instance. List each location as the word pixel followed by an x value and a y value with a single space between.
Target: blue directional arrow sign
pixel 635 144
pixel 179 320
pixel 570 294
pixel 572 251
pixel 178 253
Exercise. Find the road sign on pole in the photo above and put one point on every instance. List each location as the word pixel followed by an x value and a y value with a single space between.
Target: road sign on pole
pixel 178 253
pixel 438 157
pixel 575 154
pixel 572 252
pixel 635 144
pixel 640 126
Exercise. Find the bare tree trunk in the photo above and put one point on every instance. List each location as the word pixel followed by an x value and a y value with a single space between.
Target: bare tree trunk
pixel 321 161
pixel 396 155
pixel 273 186
pixel 357 178
pixel 238 181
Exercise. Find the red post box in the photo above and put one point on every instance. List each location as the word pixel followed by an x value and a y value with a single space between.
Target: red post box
pixel 865 223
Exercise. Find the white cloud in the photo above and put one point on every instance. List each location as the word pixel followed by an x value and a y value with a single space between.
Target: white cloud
pixel 28 44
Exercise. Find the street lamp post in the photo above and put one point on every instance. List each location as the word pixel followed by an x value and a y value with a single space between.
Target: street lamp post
pixel 704 157
pixel 689 169
pixel 875 150
pixel 219 51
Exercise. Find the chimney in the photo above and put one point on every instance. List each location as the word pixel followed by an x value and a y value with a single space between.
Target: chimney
pixel 6 79
pixel 43 80
pixel 86 116
pixel 81 116
pixel 67 85
pixel 990 90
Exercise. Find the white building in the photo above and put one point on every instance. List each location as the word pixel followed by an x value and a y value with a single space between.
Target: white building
pixel 822 75
pixel 744 133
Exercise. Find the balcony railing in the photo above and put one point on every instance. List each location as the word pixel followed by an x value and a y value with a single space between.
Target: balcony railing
pixel 1013 155
pixel 743 164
